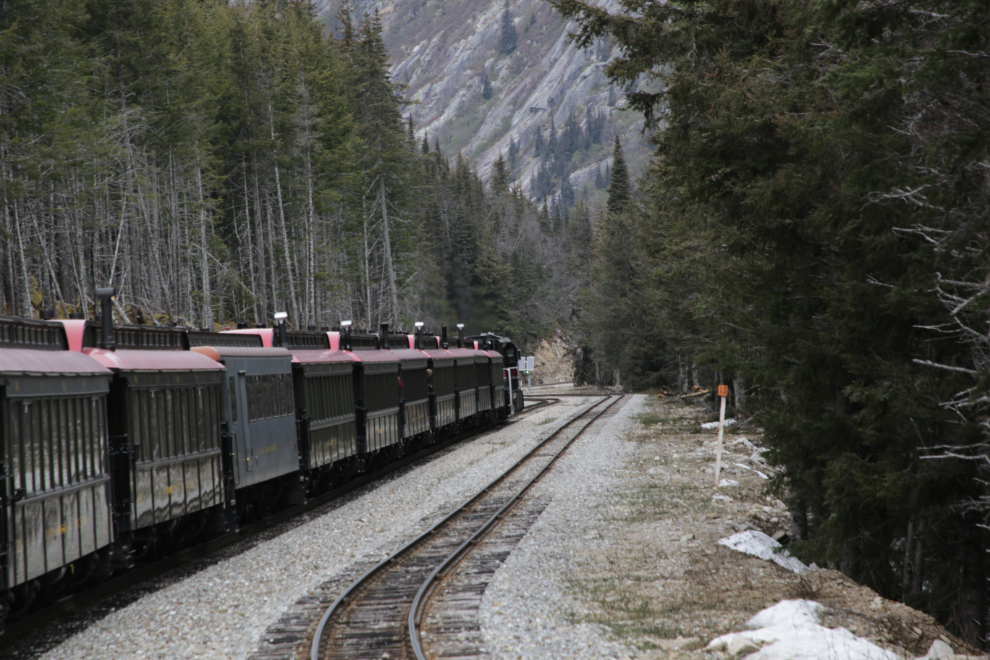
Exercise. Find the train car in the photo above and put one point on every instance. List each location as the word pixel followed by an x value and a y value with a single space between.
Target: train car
pixel 442 385
pixel 496 376
pixel 323 379
pixel 258 415
pixel 56 524
pixel 414 389
pixel 164 412
pixel 510 354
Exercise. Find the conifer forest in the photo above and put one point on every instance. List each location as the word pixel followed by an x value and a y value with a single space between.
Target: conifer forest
pixel 218 162
pixel 812 228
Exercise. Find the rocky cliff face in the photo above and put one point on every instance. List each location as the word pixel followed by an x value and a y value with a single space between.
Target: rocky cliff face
pixel 445 51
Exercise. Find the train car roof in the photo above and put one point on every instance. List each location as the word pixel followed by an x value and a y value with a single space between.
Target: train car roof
pixel 375 356
pixel 219 352
pixel 309 356
pixel 408 353
pixel 266 334
pixel 153 360
pixel 462 353
pixel 26 361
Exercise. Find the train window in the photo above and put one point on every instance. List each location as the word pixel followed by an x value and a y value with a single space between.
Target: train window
pixel 232 393
pixel 154 426
pixel 199 418
pixel 82 455
pixel 136 421
pixel 277 403
pixel 147 444
pixel 275 396
pixel 287 393
pixel 252 399
pixel 270 400
pixel 183 423
pixel 93 430
pixel 259 397
pixel 15 446
pixel 29 449
pixel 68 449
pixel 266 382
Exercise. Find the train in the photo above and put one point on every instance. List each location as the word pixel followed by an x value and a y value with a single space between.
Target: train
pixel 124 443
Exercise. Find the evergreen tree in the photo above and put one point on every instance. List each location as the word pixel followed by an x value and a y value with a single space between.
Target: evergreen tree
pixel 619 189
pixel 500 176
pixel 507 32
pixel 805 265
pixel 539 146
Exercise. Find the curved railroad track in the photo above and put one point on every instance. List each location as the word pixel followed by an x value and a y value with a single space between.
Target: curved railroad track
pixel 73 613
pixel 379 615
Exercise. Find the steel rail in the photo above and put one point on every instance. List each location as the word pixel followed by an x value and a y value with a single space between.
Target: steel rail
pixel 419 602
pixel 27 625
pixel 398 554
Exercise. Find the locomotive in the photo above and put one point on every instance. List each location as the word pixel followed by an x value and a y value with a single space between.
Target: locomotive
pixel 120 443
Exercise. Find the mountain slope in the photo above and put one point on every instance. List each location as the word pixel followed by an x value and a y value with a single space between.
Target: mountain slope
pixel 443 51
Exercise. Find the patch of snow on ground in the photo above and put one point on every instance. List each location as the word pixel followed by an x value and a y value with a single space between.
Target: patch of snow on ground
pixel 714 425
pixel 760 545
pixel 791 630
pixel 728 483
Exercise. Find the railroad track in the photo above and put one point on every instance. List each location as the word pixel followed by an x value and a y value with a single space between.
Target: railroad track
pixel 379 614
pixel 75 611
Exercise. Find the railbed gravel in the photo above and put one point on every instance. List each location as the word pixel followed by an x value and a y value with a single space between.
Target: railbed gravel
pixel 528 609
pixel 223 610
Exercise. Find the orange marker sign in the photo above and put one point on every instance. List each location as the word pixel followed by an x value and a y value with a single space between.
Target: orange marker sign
pixel 723 390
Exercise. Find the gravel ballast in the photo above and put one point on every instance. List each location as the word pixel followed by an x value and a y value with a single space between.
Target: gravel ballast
pixel 528 609
pixel 222 611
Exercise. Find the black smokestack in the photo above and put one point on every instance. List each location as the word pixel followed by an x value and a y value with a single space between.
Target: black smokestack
pixel 105 296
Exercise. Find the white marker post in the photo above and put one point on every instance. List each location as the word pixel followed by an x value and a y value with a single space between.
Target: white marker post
pixel 723 393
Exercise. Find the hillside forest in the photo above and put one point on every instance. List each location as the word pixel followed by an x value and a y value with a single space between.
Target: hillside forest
pixel 813 231
pixel 217 162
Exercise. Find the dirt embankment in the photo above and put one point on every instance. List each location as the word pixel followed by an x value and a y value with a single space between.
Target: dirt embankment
pixel 664 585
pixel 554 359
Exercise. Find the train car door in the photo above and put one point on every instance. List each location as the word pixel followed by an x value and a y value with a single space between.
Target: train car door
pixel 245 427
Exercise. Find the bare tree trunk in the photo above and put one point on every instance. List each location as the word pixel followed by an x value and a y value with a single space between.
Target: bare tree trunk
pixel 249 251
pixel 204 260
pixel 739 391
pixel 26 307
pixel 972 583
pixel 906 569
pixel 916 568
pixel 281 220
pixel 389 266
pixel 261 293
pixel 367 274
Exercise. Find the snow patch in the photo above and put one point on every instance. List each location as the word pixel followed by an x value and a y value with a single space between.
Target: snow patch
pixel 728 483
pixel 714 425
pixel 760 545
pixel 792 630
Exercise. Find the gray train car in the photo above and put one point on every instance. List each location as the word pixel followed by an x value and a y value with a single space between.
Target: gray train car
pixel 55 511
pixel 257 405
